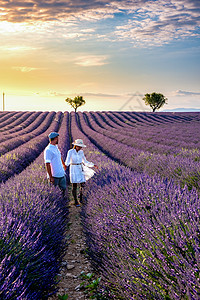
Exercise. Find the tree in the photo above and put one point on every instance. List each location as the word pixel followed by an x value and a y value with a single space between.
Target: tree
pixel 76 102
pixel 155 100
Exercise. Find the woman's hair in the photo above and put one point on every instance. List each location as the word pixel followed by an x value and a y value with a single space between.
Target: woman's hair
pixel 75 147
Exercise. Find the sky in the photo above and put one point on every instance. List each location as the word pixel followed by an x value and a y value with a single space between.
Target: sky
pixel 110 52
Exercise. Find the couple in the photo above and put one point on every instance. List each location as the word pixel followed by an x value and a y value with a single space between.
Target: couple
pixel 79 167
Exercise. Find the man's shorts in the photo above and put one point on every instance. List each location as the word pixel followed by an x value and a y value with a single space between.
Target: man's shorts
pixel 61 182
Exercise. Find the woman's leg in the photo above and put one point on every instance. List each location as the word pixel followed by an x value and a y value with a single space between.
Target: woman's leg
pixel 81 191
pixel 74 192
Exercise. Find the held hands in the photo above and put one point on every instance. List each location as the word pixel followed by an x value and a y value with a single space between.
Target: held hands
pixel 64 165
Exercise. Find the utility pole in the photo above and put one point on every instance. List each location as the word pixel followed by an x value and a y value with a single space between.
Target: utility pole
pixel 3 101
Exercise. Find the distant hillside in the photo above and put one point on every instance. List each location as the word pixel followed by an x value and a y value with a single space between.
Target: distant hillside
pixel 182 110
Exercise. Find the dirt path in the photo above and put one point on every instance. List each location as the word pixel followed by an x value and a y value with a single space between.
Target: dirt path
pixel 75 261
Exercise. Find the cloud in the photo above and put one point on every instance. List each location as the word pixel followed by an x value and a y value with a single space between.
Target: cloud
pixel 50 94
pixel 159 22
pixel 25 69
pixel 100 95
pixel 91 60
pixel 49 10
pixel 72 95
pixel 185 93
pixel 15 49
pixel 141 22
pixel 97 14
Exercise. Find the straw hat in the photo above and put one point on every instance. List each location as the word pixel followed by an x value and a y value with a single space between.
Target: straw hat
pixel 79 143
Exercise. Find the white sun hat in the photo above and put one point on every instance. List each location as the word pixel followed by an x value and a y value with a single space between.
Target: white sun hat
pixel 79 143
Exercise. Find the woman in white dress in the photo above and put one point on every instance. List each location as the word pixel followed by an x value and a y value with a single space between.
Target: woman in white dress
pixel 80 169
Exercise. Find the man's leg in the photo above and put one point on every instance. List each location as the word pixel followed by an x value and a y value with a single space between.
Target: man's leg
pixel 63 185
pixel 56 181
pixel 61 182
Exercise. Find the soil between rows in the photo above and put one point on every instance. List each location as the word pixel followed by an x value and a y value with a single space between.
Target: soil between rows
pixel 75 260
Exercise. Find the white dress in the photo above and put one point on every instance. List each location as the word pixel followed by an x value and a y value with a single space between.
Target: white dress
pixel 80 169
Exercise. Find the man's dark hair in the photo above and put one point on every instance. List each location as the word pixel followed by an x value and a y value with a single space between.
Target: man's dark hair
pixel 52 138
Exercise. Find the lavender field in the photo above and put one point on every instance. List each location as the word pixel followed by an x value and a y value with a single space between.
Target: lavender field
pixel 140 214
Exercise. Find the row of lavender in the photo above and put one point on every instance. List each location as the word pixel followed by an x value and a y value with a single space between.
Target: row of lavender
pixel 142 231
pixel 133 118
pixel 27 148
pixel 32 225
pixel 11 122
pixel 158 118
pixel 9 117
pixel 165 136
pixel 126 135
pixel 23 127
pixel 114 120
pixel 166 133
pixel 184 169
pixel 34 126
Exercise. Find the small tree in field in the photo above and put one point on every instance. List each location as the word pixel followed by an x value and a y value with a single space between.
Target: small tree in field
pixel 155 100
pixel 76 102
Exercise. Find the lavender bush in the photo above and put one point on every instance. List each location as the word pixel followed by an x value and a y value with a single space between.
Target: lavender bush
pixel 32 229
pixel 142 231
pixel 143 234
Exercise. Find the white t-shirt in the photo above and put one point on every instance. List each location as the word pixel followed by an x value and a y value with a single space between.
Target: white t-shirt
pixel 52 155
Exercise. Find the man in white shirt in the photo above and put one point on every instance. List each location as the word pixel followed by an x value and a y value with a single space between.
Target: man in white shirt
pixel 55 165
